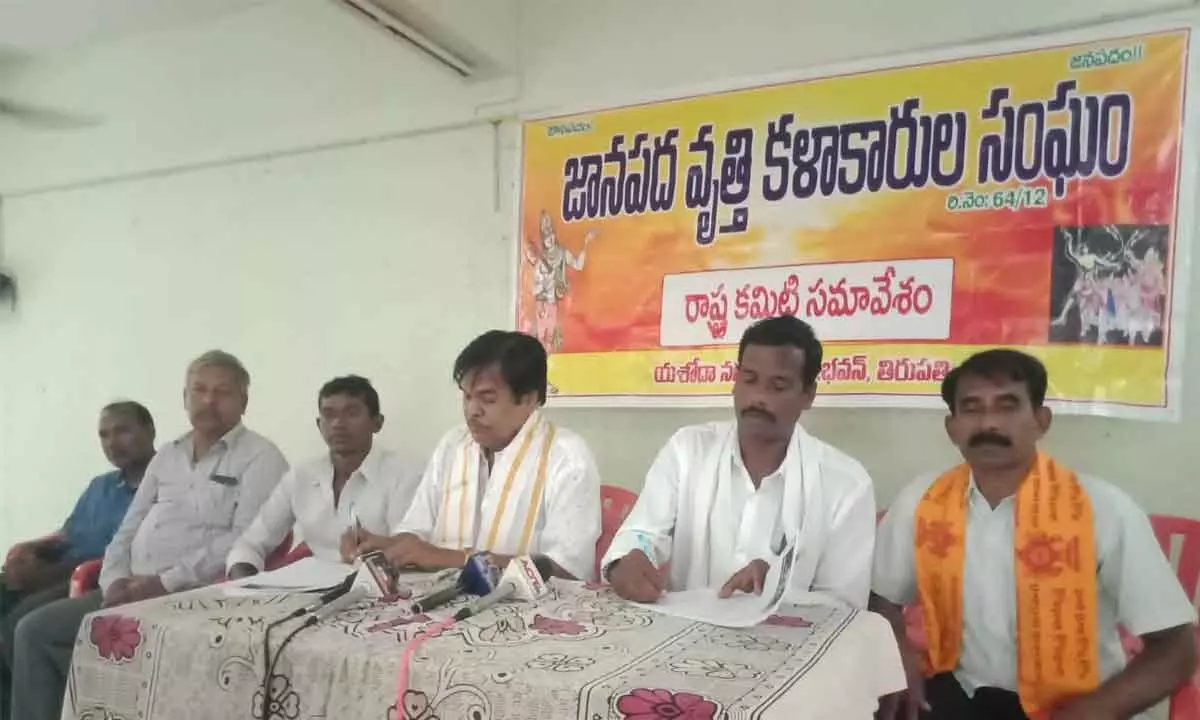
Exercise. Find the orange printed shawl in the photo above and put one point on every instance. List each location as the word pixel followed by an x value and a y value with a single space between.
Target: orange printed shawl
pixel 1055 559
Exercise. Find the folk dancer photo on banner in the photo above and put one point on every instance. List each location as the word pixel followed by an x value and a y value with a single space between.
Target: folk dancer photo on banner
pixel 550 261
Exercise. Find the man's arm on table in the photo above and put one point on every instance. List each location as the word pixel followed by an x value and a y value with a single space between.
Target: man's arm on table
pixel 645 541
pixel 409 546
pixel 270 526
pixel 205 563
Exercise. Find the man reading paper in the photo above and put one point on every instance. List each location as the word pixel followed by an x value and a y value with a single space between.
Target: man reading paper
pixel 723 499
pixel 1024 569
pixel 509 482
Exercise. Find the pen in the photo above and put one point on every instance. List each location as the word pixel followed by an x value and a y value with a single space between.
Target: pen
pixel 357 527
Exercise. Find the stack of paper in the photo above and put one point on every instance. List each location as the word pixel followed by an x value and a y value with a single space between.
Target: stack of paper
pixel 306 575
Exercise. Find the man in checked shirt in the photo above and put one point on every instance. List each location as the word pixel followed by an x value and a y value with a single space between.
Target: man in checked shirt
pixel 198 494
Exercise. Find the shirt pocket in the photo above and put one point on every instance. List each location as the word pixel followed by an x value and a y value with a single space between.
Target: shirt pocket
pixel 216 503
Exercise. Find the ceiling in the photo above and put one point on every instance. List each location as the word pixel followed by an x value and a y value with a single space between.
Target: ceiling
pixel 36 29
pixel 40 27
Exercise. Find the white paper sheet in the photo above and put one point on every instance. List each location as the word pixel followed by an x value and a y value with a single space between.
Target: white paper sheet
pixel 739 610
pixel 306 575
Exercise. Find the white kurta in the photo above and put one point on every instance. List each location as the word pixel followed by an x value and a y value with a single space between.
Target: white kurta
pixel 699 510
pixel 542 496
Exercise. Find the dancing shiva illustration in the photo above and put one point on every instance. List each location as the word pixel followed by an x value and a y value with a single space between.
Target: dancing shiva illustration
pixel 1119 288
pixel 551 284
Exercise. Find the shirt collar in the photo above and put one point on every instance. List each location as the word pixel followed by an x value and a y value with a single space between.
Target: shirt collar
pixel 975 496
pixel 226 442
pixel 370 468
pixel 739 464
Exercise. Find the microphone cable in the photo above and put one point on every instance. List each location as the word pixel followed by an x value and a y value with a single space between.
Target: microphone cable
pixel 269 667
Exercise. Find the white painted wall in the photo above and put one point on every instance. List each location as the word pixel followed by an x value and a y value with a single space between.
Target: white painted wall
pixel 199 215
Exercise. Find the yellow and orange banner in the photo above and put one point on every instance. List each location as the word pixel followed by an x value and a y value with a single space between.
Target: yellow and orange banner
pixel 912 215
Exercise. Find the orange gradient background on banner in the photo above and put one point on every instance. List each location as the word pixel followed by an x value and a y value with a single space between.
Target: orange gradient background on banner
pixel 609 319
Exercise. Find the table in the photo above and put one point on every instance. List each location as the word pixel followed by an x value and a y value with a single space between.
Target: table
pixel 581 653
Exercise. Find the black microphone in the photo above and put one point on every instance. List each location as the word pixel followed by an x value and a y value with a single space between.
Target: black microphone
pixel 323 599
pixel 439 597
pixel 477 577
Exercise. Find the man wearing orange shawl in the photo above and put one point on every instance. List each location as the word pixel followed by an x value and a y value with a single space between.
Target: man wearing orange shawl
pixel 1024 570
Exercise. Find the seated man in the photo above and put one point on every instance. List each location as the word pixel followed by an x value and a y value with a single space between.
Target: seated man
pixel 198 494
pixel 1024 570
pixel 723 498
pixel 510 482
pixel 323 500
pixel 38 572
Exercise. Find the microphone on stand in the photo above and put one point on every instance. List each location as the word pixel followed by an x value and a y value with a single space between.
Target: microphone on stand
pixel 337 605
pixel 326 597
pixel 524 579
pixel 477 577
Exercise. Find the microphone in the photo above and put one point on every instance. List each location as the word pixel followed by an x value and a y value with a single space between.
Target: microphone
pixel 437 598
pixel 337 605
pixel 523 579
pixel 477 577
pixel 321 600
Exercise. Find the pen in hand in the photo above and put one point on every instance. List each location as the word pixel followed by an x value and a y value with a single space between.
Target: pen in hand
pixel 357 528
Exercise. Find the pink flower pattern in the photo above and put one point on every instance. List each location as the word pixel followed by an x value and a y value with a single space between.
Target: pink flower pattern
pixel 554 626
pixel 116 637
pixel 657 704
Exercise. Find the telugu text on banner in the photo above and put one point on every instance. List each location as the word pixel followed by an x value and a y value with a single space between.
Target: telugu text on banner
pixel 913 215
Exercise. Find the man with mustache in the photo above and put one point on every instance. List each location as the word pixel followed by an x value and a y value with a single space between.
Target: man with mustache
pixel 508 482
pixel 355 490
pixel 724 499
pixel 197 496
pixel 1024 570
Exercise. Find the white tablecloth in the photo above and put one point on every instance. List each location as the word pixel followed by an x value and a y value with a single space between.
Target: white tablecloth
pixel 583 653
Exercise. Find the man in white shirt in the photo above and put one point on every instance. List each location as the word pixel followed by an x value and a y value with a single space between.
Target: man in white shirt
pixel 509 482
pixel 334 502
pixel 724 499
pixel 197 496
pixel 1024 570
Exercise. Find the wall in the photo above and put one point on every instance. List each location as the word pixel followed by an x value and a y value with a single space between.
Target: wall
pixel 291 186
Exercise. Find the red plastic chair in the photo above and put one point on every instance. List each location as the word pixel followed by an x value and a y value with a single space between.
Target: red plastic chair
pixel 1185 702
pixel 615 504
pixel 87 576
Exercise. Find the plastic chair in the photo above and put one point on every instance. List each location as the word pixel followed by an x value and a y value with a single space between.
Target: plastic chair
pixel 87 576
pixel 1185 702
pixel 615 504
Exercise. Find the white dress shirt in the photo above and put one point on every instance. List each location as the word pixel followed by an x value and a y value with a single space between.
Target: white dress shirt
pixel 1137 587
pixel 186 515
pixel 378 492
pixel 567 521
pixel 752 516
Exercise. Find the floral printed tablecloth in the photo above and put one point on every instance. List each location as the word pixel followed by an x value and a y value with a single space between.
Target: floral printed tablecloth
pixel 580 654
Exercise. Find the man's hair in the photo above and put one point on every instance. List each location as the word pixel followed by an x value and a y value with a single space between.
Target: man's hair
pixel 132 409
pixel 355 386
pixel 222 359
pixel 520 358
pixel 784 331
pixel 999 364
